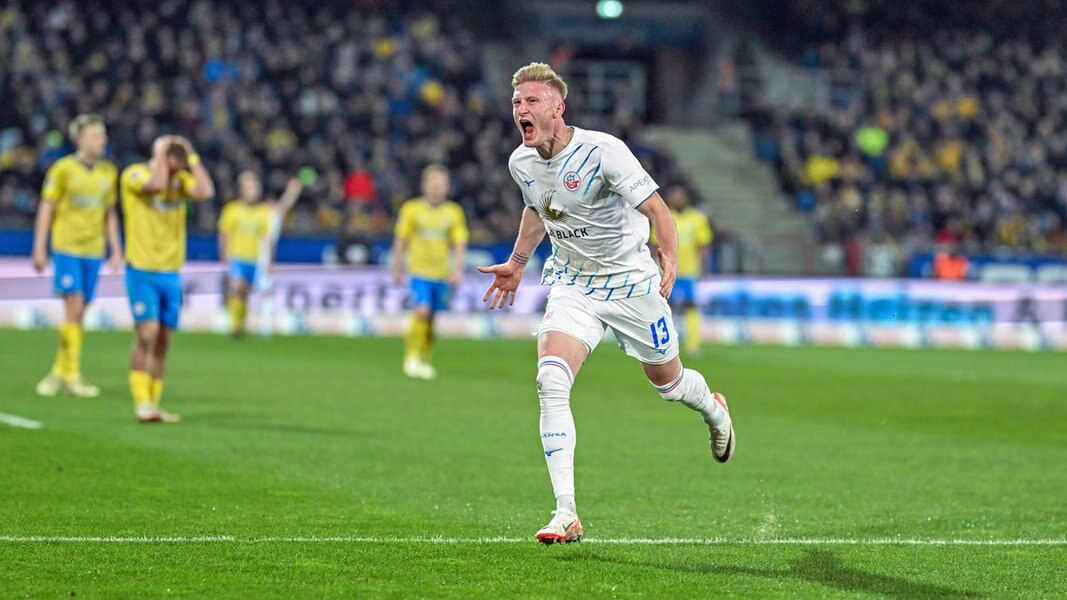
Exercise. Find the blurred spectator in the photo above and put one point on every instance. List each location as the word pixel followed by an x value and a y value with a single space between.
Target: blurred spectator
pixel 364 97
pixel 950 126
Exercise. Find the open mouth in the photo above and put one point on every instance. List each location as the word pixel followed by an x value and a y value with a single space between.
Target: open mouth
pixel 527 127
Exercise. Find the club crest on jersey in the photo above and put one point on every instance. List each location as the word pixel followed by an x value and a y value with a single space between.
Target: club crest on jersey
pixel 571 180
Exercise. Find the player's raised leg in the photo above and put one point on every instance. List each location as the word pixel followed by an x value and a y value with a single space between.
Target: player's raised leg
pixel 560 356
pixel 678 384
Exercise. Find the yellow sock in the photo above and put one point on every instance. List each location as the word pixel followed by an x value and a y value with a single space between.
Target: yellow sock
pixel 692 330
pixel 140 387
pixel 415 340
pixel 59 367
pixel 73 367
pixel 427 347
pixel 237 308
pixel 155 387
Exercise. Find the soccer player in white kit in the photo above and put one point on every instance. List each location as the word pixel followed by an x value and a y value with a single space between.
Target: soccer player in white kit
pixel 590 195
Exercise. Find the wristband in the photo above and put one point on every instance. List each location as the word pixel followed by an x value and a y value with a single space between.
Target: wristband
pixel 194 159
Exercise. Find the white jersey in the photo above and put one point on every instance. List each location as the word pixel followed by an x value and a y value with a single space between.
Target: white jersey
pixel 587 196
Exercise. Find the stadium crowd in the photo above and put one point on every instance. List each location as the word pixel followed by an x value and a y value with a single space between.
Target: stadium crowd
pixel 355 98
pixel 946 129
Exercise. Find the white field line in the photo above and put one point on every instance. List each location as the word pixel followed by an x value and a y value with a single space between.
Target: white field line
pixel 229 539
pixel 14 421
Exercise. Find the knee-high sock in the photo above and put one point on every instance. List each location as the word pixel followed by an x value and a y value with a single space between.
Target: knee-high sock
pixel 155 388
pixel 74 336
pixel 59 366
pixel 690 389
pixel 692 329
pixel 238 308
pixel 140 387
pixel 415 340
pixel 554 381
pixel 427 344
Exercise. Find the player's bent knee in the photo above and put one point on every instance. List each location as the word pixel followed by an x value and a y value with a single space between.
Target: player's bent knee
pixel 554 380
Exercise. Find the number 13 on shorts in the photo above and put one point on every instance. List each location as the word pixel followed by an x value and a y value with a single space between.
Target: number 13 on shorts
pixel 661 334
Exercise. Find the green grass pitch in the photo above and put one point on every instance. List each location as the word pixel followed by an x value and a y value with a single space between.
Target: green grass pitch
pixel 307 467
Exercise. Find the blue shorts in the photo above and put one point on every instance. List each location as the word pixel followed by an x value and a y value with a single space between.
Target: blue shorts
pixel 76 275
pixel 154 296
pixel 245 271
pixel 685 291
pixel 430 293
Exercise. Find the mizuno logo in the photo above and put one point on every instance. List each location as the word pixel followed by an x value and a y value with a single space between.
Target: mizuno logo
pixel 552 451
pixel 528 182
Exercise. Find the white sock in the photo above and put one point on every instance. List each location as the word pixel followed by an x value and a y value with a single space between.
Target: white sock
pixel 554 380
pixel 690 389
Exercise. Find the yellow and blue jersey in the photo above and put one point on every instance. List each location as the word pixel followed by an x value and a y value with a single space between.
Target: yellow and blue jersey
pixel 82 195
pixel 246 226
pixel 155 223
pixel 694 234
pixel 431 232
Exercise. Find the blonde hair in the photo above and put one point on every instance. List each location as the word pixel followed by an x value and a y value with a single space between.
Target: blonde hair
pixel 435 168
pixel 81 122
pixel 536 71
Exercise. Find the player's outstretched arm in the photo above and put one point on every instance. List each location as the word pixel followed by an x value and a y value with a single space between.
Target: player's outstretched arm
pixel 507 276
pixel 289 196
pixel 663 224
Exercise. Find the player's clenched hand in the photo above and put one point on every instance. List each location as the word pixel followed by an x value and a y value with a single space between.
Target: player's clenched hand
pixel 159 147
pixel 506 279
pixel 670 273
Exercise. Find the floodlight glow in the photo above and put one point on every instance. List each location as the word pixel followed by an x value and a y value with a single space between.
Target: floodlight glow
pixel 609 9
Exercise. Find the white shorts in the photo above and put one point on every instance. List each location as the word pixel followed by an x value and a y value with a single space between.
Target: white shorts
pixel 643 325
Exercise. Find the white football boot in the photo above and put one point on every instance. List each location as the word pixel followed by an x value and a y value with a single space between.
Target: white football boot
pixel 149 413
pixel 78 387
pixel 722 437
pixel 50 385
pixel 411 368
pixel 565 527
pixel 426 371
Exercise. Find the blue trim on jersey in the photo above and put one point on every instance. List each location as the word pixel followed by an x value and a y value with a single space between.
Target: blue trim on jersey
pixel 607 280
pixel 610 292
pixel 75 275
pixel 592 178
pixel 582 166
pixel 631 292
pixel 154 296
pixel 646 199
pixel 564 167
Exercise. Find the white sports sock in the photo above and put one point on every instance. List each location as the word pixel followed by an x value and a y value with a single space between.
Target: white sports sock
pixel 554 380
pixel 690 389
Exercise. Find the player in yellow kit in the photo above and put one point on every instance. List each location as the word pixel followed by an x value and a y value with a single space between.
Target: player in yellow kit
pixel 427 229
pixel 245 235
pixel 694 240
pixel 77 208
pixel 154 195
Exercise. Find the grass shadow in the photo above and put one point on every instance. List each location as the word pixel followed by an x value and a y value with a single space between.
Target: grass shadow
pixel 816 566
